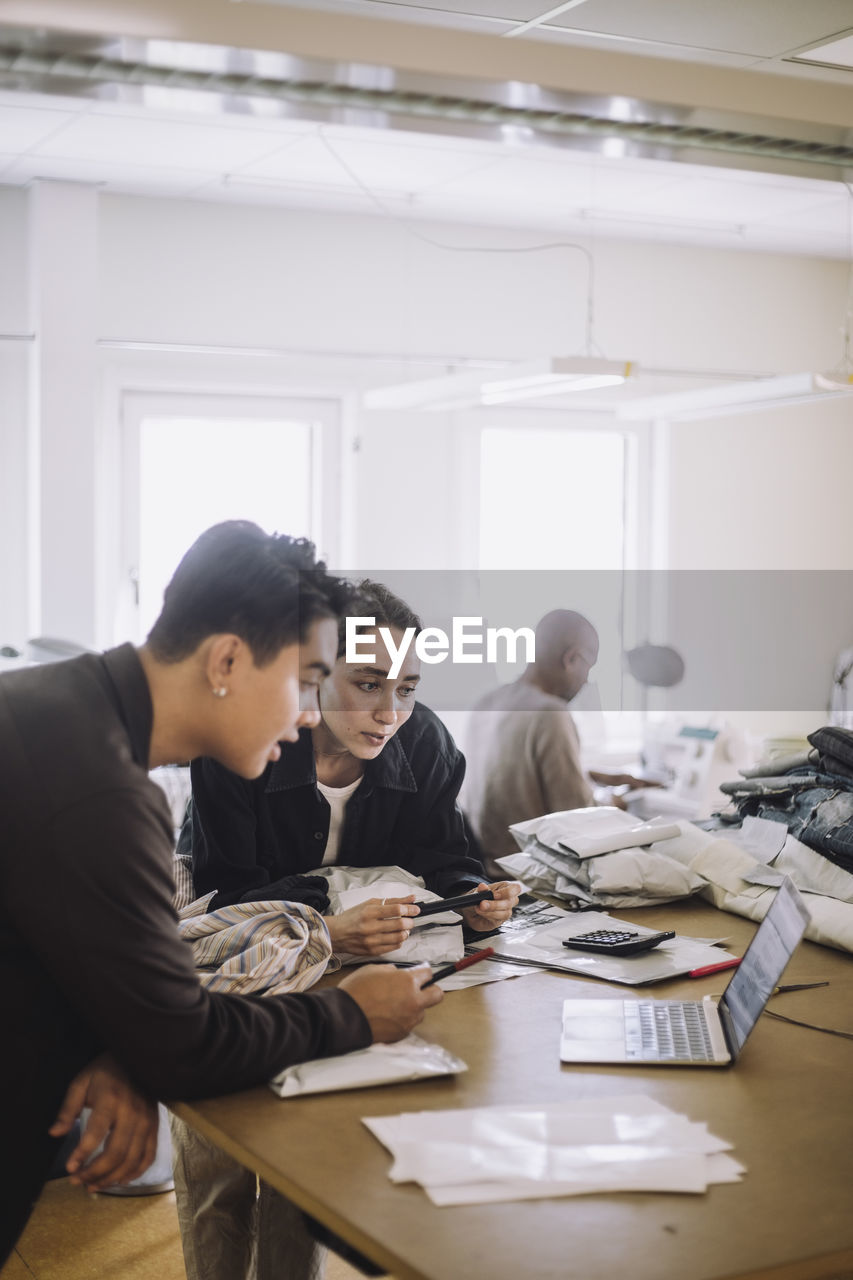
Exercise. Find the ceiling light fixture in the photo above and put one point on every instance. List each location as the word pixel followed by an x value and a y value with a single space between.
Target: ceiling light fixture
pixel 469 390
pixel 738 397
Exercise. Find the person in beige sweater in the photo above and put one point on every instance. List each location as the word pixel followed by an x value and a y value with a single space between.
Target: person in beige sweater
pixel 522 749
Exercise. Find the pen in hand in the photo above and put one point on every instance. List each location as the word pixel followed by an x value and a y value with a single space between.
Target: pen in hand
pixel 448 969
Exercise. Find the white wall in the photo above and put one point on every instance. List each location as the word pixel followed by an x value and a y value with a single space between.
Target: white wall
pixel 186 271
pixel 14 301
pixel 372 303
pixel 16 473
pixel 767 490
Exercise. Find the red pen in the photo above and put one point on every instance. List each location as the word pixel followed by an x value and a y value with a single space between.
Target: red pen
pixel 714 968
pixel 460 964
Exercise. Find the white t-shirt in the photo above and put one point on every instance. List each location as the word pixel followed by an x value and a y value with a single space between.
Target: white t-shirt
pixel 337 798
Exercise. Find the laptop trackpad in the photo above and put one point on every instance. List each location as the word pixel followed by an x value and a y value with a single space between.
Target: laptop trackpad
pixel 593 1031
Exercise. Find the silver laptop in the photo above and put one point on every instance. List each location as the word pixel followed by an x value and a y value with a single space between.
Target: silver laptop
pixel 690 1032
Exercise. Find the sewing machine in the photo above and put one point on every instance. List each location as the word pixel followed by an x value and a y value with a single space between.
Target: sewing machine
pixel 690 761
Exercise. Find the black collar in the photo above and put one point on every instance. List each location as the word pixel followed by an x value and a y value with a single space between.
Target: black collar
pixel 296 768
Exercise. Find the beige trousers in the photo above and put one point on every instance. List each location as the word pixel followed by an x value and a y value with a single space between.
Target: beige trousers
pixel 233 1225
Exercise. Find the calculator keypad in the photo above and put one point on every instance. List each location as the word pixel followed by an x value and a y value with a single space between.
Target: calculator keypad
pixel 606 936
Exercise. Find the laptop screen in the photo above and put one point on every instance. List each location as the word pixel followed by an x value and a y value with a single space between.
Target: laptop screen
pixel 762 966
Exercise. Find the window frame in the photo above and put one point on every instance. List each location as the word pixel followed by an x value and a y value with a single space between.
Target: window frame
pixel 645 508
pixel 321 413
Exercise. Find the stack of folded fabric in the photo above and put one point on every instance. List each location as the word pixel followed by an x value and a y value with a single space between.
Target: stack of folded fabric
pixel 541 1150
pixel 600 857
pixel 808 800
pixel 812 795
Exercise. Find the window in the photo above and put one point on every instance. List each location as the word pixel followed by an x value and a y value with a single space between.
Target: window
pixel 565 493
pixel 558 503
pixel 191 462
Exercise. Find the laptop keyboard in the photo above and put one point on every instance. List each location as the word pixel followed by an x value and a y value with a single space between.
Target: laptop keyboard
pixel 666 1030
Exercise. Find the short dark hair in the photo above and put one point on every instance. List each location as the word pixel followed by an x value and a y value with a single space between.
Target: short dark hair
pixel 266 588
pixel 375 600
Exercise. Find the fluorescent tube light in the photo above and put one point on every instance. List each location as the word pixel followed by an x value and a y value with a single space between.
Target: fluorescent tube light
pixel 737 397
pixel 469 389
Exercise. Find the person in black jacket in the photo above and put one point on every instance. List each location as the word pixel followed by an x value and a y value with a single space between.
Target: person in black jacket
pixel 373 784
pixel 101 1005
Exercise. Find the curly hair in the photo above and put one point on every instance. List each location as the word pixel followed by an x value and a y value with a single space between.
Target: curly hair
pixel 266 588
pixel 375 600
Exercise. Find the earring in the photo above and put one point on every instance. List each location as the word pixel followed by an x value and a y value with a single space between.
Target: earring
pixel 220 692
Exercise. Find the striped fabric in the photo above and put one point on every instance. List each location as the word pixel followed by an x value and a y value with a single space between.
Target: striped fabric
pixel 182 866
pixel 264 948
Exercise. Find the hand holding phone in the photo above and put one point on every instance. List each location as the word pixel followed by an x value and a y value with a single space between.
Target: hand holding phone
pixel 454 904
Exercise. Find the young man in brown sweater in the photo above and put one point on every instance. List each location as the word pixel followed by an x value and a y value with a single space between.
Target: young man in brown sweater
pixel 101 1003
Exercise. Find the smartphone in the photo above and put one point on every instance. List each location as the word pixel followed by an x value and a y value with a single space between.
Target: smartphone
pixel 454 904
pixel 615 942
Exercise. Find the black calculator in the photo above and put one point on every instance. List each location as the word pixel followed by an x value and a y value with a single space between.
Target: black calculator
pixel 615 942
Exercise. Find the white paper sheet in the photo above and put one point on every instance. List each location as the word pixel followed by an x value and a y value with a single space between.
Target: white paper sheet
pixel 479 974
pixel 682 1176
pixel 532 1151
pixel 543 943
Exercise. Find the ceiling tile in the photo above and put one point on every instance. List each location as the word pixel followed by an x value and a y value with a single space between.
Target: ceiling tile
pixel 160 141
pixel 725 201
pixel 117 175
pixel 24 127
pixel 837 52
pixel 576 184
pixel 830 219
pixel 612 42
pixel 305 160
pixel 513 11
pixel 761 27
pixel 378 165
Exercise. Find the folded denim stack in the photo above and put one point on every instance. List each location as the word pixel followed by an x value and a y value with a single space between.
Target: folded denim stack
pixel 813 798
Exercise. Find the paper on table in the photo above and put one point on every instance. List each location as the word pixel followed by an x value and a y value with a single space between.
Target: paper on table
pixel 504 1153
pixel 479 974
pixel 532 1151
pixel 687 1175
pixel 543 944
pixel 408 1059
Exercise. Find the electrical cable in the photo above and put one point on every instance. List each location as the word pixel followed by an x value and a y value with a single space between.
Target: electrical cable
pixel 796 1022
pixel 591 347
pixel 810 1026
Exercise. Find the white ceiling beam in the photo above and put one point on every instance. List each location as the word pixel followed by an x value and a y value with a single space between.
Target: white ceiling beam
pixel 374 41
